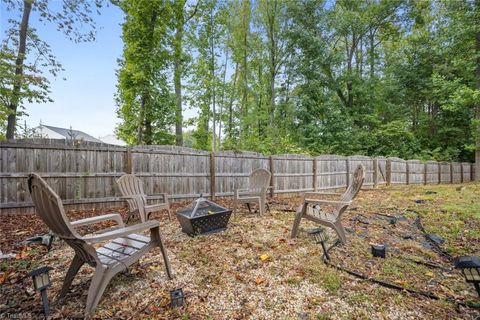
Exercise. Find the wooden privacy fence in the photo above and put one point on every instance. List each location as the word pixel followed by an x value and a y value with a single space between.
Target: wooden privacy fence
pixel 84 173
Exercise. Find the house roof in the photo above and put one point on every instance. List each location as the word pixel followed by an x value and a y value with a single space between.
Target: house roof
pixel 112 139
pixel 72 134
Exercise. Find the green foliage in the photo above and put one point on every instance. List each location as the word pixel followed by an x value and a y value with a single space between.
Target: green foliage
pixel 391 78
pixel 144 98
pixel 22 69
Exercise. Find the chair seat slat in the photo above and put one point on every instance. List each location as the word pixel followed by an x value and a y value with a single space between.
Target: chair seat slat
pixel 138 238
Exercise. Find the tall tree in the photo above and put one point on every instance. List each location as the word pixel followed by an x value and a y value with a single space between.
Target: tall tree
pixel 181 17
pixel 145 103
pixel 477 36
pixel 74 21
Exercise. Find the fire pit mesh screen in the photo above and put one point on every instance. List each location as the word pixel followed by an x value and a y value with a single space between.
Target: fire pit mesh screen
pixel 201 207
pixel 203 216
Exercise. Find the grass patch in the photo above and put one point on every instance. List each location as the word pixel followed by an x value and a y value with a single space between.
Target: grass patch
pixel 326 277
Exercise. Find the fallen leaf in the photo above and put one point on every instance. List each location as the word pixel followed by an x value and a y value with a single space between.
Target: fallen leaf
pixel 264 257
pixel 401 282
pixel 153 268
pixel 3 277
pixel 259 280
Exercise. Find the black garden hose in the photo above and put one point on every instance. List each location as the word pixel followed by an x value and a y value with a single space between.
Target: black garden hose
pixel 389 285
pixel 436 247
pixel 400 288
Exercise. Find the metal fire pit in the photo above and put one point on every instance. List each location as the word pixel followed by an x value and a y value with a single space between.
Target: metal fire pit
pixel 203 217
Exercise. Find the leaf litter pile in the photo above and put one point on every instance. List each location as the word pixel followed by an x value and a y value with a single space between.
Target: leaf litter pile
pixel 253 270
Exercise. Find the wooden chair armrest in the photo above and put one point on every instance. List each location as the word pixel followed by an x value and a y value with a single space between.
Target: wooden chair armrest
pixel 327 202
pixel 319 193
pixel 129 197
pixel 237 192
pixel 92 220
pixel 162 196
pixel 121 232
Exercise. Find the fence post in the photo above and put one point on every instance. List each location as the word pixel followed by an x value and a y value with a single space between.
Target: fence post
pixel 375 172
pixel 425 173
pixel 314 174
pixel 347 161
pixel 128 161
pixel 407 173
pixel 451 172
pixel 388 168
pixel 472 173
pixel 272 177
pixel 461 172
pixel 212 175
pixel 439 172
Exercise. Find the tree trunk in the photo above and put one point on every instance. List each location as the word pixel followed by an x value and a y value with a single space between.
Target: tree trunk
pixel 245 49
pixel 141 121
pixel 223 97
pixel 12 117
pixel 372 53
pixel 177 75
pixel 212 70
pixel 273 58
pixel 230 105
pixel 477 72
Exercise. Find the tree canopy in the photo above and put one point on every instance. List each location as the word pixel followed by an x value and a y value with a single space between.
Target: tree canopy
pixel 373 77
pixel 25 57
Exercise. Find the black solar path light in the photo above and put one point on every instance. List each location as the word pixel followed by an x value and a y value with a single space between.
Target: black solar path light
pixel 321 237
pixel 470 267
pixel 41 281
pixel 177 298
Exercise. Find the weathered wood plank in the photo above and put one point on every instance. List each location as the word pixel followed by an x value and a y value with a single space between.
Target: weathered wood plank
pixel 84 173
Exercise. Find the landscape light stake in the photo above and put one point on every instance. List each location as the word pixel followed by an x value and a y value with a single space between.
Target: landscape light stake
pixel 177 298
pixel 470 267
pixel 379 250
pixel 321 237
pixel 41 282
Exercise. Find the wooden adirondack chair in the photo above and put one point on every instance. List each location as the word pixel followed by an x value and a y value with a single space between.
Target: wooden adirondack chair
pixel 131 188
pixel 124 246
pixel 256 192
pixel 311 209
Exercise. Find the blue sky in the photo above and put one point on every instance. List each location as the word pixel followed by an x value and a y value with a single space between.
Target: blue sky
pixel 85 100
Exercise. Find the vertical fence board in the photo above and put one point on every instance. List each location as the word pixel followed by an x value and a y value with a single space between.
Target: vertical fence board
pixel 331 172
pixel 416 172
pixel 445 172
pixel 398 171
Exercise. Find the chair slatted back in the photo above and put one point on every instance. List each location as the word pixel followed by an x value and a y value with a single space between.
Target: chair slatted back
pixel 49 207
pixel 355 185
pixel 259 181
pixel 131 185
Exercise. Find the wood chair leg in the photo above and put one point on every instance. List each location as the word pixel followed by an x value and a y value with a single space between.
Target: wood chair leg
pixel 298 218
pixel 249 209
pixel 159 240
pixel 340 231
pixel 261 205
pixel 75 266
pixel 97 287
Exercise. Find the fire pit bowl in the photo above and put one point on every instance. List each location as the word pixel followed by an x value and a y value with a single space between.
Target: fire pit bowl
pixel 203 217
